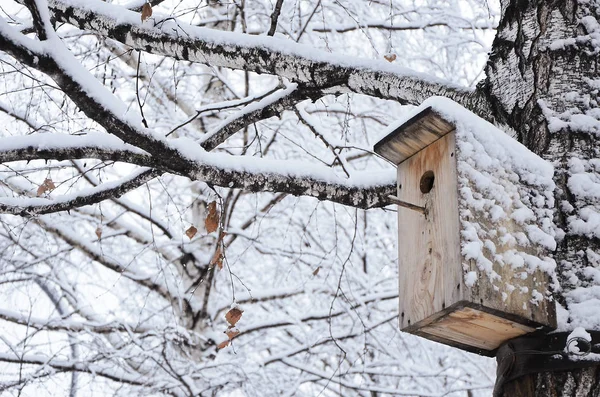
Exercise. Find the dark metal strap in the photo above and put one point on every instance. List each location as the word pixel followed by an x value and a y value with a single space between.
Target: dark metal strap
pixel 543 353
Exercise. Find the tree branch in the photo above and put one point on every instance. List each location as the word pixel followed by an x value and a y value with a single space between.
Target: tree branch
pixel 324 340
pixel 271 105
pixel 37 206
pixel 64 365
pixel 403 26
pixel 60 324
pixel 49 146
pixel 275 17
pixel 260 54
pixel 183 156
pixel 97 255
pixel 17 116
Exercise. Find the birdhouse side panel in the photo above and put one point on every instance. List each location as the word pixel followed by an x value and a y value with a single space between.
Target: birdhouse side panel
pixel 429 244
pixel 506 207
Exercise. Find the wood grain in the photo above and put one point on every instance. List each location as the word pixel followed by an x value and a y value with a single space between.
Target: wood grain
pixel 413 136
pixel 429 245
pixel 476 328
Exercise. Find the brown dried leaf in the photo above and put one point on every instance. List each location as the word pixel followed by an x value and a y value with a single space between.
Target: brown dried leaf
pixel 223 344
pixel 316 271
pixel 146 11
pixel 217 258
pixel 46 186
pixel 232 333
pixel 41 190
pixel 390 57
pixel 233 316
pixel 212 219
pixel 48 182
pixel 99 232
pixel 191 232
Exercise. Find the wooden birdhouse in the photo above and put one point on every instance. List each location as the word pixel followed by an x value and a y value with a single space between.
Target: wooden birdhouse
pixel 475 210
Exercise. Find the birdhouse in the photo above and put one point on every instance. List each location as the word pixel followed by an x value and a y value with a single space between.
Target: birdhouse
pixel 475 210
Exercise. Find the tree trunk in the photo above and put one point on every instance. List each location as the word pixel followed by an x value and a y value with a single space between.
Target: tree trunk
pixel 579 382
pixel 542 77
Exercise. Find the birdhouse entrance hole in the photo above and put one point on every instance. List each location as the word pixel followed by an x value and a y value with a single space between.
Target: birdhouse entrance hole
pixel 426 183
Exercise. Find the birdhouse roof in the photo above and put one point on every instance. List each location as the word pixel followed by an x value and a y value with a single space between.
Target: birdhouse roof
pixel 411 135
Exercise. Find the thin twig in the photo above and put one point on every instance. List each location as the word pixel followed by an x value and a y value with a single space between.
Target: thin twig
pixel 275 17
pixel 137 90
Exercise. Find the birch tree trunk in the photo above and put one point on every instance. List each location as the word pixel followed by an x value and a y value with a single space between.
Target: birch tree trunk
pixel 542 81
pixel 579 382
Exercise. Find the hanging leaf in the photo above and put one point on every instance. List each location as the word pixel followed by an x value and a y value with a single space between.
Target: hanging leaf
pixel 146 11
pixel 46 186
pixel 99 232
pixel 223 344
pixel 316 271
pixel 232 332
pixel 191 232
pixel 212 219
pixel 390 57
pixel 217 258
pixel 233 316
pixel 41 190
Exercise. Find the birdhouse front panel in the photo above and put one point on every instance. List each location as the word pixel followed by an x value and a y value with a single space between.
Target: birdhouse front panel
pixel 429 242
pixel 475 212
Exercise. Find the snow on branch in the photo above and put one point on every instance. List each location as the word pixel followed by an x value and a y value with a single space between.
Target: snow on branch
pixel 271 105
pixel 50 146
pixel 261 54
pixel 93 252
pixel 186 157
pixel 315 316
pixel 326 339
pixel 52 365
pixel 411 25
pixel 60 324
pixel 38 205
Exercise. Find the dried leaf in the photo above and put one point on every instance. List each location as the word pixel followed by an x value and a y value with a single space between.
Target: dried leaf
pixel 217 258
pixel 390 57
pixel 223 344
pixel 48 182
pixel 212 219
pixel 99 232
pixel 191 232
pixel 232 333
pixel 316 271
pixel 46 186
pixel 41 190
pixel 233 316
pixel 146 11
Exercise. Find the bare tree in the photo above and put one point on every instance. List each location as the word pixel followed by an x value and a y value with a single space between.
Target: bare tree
pixel 147 146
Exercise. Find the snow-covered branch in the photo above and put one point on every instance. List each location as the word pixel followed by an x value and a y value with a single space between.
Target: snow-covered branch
pixel 260 54
pixel 271 105
pixel 416 25
pixel 37 205
pixel 59 365
pixel 328 339
pixel 49 146
pixel 186 157
pixel 96 254
pixel 60 324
